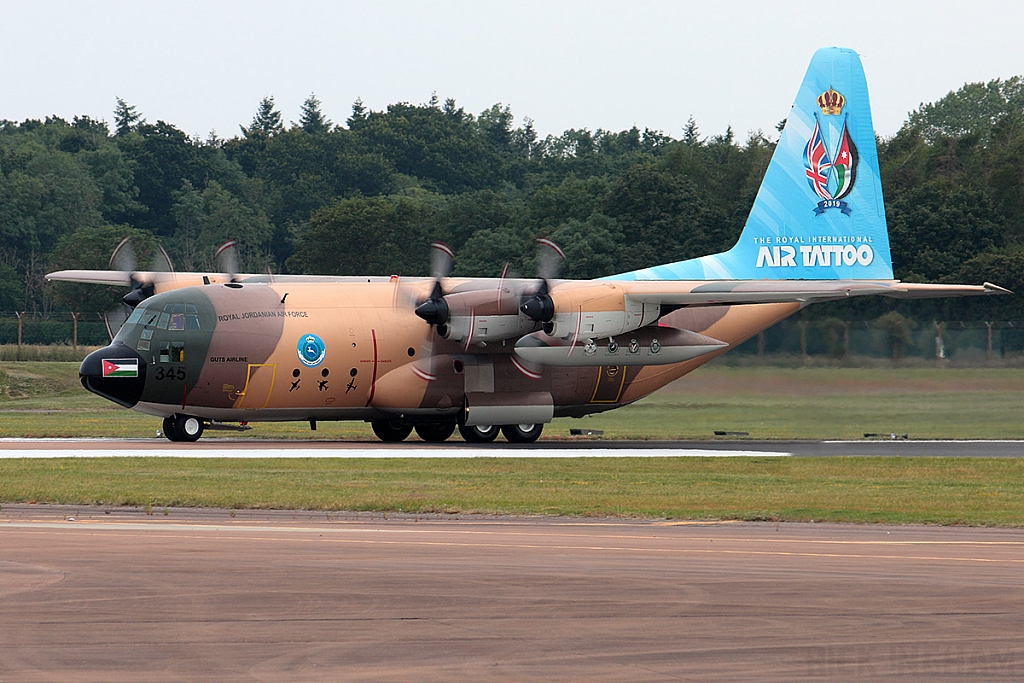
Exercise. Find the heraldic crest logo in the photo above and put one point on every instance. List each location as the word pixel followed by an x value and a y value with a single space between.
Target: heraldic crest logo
pixel 831 175
pixel 311 350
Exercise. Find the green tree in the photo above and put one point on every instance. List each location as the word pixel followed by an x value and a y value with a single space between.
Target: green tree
pixel 162 157
pixel 446 155
pixel 496 128
pixel 896 328
pixel 935 228
pixel 266 123
pixel 209 217
pixel 661 216
pixel 490 250
pixel 365 236
pixel 591 247
pixel 974 108
pixel 313 120
pixel 12 289
pixel 126 118
pixel 358 117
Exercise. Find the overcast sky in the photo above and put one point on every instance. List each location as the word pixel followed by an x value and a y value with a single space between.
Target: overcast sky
pixel 596 64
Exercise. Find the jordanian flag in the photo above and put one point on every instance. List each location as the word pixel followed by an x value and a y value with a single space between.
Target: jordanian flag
pixel 121 367
pixel 845 164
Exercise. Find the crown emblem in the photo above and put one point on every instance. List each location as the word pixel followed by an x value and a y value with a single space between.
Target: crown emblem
pixel 831 102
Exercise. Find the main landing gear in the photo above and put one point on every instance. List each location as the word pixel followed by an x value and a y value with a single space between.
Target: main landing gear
pixel 479 433
pixel 180 427
pixel 393 431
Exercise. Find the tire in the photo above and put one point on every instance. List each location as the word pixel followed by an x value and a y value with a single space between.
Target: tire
pixel 390 431
pixel 169 430
pixel 187 428
pixel 522 433
pixel 479 433
pixel 435 432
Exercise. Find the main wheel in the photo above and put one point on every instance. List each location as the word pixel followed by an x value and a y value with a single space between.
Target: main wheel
pixel 187 428
pixel 522 433
pixel 435 432
pixel 479 433
pixel 169 430
pixel 391 431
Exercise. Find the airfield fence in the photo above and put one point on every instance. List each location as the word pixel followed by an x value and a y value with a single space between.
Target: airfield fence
pixel 972 341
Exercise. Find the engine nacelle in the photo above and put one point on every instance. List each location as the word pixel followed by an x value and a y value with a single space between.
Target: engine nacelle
pixel 601 310
pixel 482 316
pixel 474 329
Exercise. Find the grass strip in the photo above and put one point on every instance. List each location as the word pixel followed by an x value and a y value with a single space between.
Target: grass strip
pixel 925 490
pixel 46 399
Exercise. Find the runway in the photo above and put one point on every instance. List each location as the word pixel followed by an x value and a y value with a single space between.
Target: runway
pixel 115 595
pixel 253 448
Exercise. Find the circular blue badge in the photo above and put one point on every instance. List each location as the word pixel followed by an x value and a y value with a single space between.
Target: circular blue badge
pixel 311 350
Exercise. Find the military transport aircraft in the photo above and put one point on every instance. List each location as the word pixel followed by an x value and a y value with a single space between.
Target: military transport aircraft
pixel 204 350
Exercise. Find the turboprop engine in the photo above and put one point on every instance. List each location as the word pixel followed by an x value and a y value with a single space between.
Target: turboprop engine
pixel 599 310
pixel 483 316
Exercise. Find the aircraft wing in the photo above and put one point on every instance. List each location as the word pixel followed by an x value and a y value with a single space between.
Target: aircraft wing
pixel 722 292
pixel 92 277
pixel 176 280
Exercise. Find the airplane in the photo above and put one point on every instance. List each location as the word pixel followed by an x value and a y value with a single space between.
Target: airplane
pixel 489 355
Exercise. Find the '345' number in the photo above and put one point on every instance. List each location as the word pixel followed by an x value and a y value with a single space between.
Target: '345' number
pixel 170 373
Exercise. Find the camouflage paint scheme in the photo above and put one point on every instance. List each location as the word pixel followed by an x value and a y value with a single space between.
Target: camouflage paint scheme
pixel 382 361
pixel 243 364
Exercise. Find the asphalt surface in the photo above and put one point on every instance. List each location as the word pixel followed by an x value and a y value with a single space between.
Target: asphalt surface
pixel 50 448
pixel 88 594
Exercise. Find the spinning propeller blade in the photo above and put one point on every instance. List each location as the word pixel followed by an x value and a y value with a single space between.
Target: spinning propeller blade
pixel 537 305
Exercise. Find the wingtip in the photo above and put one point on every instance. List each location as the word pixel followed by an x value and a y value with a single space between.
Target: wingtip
pixel 995 289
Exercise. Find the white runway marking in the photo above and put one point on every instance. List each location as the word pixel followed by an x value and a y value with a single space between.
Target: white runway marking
pixel 186 452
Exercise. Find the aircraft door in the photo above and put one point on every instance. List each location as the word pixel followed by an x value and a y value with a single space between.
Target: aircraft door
pixel 610 381
pixel 258 386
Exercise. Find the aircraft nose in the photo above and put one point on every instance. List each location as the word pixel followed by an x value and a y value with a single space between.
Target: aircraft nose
pixel 116 373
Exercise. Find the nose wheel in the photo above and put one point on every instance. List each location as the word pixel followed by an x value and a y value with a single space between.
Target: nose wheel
pixel 180 427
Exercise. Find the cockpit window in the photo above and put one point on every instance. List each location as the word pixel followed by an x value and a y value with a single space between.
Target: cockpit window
pixel 134 317
pixel 191 317
pixel 181 317
pixel 149 318
pixel 164 319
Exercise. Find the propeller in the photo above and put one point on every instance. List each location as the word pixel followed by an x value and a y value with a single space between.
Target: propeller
pixel 434 310
pixel 227 259
pixel 123 260
pixel 537 305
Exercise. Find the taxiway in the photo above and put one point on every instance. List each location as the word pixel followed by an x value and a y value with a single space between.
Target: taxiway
pixel 116 595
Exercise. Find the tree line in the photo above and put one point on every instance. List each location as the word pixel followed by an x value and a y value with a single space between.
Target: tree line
pixel 369 195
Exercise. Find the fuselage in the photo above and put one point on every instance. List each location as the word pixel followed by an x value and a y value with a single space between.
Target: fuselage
pixel 353 351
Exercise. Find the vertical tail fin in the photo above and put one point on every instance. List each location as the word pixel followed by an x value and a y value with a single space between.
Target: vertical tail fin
pixel 819 213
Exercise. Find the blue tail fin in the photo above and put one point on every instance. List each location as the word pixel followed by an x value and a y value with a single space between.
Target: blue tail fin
pixel 818 214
